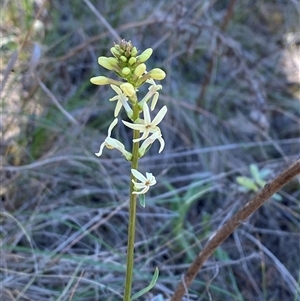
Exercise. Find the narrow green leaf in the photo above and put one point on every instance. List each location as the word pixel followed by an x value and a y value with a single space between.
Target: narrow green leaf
pixel 247 183
pixel 142 200
pixel 148 288
pixel 255 172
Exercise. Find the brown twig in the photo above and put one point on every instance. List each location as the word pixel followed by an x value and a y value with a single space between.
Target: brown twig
pixel 218 238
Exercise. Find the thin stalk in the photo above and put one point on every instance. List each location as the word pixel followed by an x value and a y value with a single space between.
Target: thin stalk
pixel 132 213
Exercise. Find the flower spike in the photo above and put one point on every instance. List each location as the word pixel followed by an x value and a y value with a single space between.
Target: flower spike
pixel 131 68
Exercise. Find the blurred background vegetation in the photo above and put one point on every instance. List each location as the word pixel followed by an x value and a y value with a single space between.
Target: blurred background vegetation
pixel 232 91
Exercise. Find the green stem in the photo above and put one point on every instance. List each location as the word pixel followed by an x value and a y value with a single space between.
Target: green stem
pixel 132 213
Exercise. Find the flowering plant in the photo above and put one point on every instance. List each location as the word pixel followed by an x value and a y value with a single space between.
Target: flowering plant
pixel 131 68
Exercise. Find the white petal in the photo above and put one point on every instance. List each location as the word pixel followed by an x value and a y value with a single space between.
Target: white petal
pixel 134 126
pixel 162 144
pixel 142 191
pixel 160 115
pixel 150 81
pixel 149 175
pixel 151 179
pixel 146 112
pixel 150 140
pixel 116 89
pixel 154 101
pixel 116 97
pixel 114 143
pixel 137 140
pixel 138 185
pixel 138 175
pixel 100 150
pixel 146 143
pixel 113 124
pixel 137 192
pixel 118 108
pixel 144 136
pixel 125 104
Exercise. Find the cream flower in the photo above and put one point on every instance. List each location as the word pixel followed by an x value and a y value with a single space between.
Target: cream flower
pixel 147 126
pixel 122 101
pixel 145 183
pixel 152 93
pixel 111 143
pixel 156 136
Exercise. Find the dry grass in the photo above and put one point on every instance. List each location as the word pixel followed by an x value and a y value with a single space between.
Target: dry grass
pixel 233 100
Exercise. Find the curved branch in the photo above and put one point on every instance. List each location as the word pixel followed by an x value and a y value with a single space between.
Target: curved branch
pixel 236 220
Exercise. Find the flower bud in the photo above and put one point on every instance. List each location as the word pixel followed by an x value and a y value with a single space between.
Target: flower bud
pixel 103 80
pixel 140 70
pixel 125 71
pixel 107 62
pixel 144 56
pixel 112 61
pixel 123 58
pixel 156 74
pixel 126 47
pixel 115 52
pixel 118 48
pixel 134 51
pixel 128 89
pixel 132 61
pixel 100 80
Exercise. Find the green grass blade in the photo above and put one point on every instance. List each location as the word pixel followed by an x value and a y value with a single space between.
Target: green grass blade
pixel 148 288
